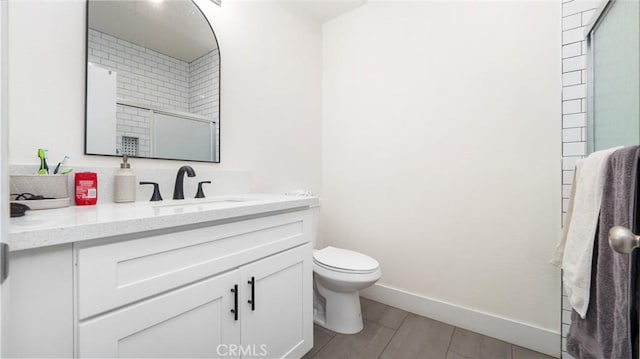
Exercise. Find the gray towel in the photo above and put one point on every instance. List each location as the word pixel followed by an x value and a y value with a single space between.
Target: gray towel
pixel 605 332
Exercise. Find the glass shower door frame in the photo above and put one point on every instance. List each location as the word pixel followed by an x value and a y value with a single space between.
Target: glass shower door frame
pixel 591 41
pixel 589 32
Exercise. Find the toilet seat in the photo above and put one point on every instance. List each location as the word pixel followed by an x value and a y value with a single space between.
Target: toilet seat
pixel 343 260
pixel 339 275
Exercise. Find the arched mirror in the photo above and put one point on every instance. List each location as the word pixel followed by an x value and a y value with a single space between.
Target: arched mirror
pixel 153 81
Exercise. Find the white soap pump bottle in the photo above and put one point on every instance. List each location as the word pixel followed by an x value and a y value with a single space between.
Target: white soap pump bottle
pixel 124 183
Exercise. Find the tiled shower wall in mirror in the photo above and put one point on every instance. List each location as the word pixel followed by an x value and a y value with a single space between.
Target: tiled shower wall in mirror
pixel 576 15
pixel 148 77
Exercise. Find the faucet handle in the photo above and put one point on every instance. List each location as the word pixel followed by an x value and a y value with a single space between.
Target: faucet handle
pixel 156 191
pixel 200 193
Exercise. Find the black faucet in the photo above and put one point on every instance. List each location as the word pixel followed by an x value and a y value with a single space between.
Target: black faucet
pixel 178 190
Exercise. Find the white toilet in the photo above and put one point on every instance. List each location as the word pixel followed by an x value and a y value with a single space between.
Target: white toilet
pixel 338 276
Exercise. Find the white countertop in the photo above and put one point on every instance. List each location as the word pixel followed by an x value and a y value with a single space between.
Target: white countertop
pixel 40 228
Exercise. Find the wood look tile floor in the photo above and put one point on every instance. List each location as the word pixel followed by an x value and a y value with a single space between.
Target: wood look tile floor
pixel 391 333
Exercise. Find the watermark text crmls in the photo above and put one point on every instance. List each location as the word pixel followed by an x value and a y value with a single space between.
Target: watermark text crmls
pixel 237 350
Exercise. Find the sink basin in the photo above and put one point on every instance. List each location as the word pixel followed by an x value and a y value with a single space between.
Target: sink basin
pixel 200 201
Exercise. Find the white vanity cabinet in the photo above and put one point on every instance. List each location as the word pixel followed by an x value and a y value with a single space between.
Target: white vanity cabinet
pixel 262 309
pixel 234 288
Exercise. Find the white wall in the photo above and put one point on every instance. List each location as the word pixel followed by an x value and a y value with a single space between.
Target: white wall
pixel 441 157
pixel 270 90
pixel 271 93
pixel 438 152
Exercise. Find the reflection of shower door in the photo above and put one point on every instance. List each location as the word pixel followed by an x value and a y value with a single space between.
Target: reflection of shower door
pixel 614 92
pixel 176 136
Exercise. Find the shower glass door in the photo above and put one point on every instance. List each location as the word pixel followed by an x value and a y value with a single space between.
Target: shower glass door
pixel 614 65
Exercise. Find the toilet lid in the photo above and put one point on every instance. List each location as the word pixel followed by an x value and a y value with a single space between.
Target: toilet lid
pixel 345 259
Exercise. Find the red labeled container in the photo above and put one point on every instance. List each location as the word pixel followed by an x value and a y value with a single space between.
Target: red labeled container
pixel 86 188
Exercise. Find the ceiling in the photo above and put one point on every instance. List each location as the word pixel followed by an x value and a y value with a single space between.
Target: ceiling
pixel 174 28
pixel 322 10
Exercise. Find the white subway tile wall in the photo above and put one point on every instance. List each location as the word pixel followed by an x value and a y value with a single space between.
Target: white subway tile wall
pixel 134 122
pixel 576 15
pixel 150 78
pixel 144 76
pixel 204 88
pixel 203 85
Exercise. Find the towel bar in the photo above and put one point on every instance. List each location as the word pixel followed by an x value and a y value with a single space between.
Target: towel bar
pixel 622 240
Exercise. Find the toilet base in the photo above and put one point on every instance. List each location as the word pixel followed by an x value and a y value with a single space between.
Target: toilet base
pixel 341 312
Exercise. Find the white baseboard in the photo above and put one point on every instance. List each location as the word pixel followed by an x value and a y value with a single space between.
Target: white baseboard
pixel 525 335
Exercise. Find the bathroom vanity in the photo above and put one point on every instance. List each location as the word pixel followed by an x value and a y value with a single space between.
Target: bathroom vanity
pixel 221 277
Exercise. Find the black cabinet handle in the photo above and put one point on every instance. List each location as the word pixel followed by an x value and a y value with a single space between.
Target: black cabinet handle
pixel 252 301
pixel 234 290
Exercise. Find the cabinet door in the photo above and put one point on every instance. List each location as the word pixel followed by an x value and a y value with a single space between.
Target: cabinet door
pixel 277 320
pixel 194 321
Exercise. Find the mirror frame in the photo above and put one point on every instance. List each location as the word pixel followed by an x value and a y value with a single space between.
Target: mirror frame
pixel 86 75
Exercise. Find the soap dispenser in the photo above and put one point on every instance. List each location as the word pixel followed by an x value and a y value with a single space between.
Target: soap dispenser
pixel 124 183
